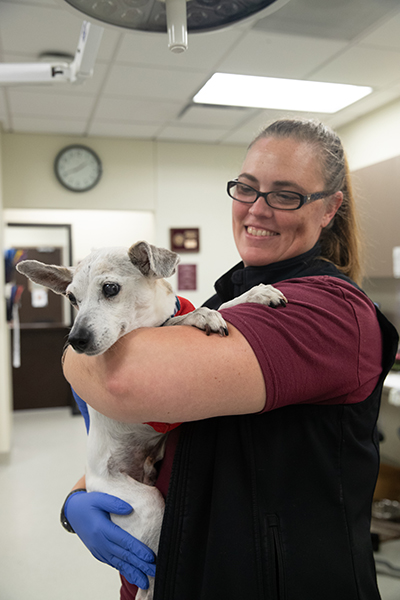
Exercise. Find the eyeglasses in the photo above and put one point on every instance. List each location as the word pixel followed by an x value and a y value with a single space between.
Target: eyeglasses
pixel 282 200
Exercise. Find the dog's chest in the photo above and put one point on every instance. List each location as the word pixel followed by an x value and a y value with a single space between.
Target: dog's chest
pixel 120 448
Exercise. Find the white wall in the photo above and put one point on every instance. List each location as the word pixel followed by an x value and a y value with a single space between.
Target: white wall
pixel 5 374
pixel 175 184
pixel 191 193
pixel 127 182
pixel 373 138
pixel 89 228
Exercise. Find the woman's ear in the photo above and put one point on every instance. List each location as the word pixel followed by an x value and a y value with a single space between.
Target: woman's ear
pixel 332 206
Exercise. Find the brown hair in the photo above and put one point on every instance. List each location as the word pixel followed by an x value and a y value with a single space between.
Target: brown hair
pixel 341 240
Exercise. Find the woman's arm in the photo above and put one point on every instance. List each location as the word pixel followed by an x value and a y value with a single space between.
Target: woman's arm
pixel 80 484
pixel 171 374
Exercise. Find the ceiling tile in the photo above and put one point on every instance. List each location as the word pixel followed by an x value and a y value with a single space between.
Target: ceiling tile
pixel 39 29
pixel 49 104
pixel 43 125
pixel 191 134
pixel 385 36
pixel 130 109
pixel 260 53
pixel 334 19
pixel 362 65
pixel 222 116
pixel 109 42
pixel 152 83
pixel 123 129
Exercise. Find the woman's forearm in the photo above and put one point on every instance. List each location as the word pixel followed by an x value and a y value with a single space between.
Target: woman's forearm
pixel 171 374
pixel 80 484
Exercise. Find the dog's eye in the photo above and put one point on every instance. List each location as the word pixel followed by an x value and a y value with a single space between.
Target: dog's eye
pixel 111 289
pixel 72 299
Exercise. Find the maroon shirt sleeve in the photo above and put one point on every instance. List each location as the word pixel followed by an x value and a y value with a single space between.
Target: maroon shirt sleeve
pixel 324 347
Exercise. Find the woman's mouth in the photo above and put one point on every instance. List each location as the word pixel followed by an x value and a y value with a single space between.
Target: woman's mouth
pixel 255 231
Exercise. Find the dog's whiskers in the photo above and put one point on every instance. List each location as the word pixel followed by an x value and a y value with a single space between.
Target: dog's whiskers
pixel 65 348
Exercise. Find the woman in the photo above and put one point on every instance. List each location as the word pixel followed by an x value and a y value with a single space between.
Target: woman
pixel 275 464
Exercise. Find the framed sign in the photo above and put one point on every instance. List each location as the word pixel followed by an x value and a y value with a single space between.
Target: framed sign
pixel 187 277
pixel 185 240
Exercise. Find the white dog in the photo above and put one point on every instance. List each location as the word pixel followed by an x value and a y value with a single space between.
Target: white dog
pixel 116 291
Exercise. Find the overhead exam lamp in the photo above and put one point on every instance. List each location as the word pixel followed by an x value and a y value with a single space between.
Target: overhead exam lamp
pixel 57 68
pixel 175 16
pixel 158 16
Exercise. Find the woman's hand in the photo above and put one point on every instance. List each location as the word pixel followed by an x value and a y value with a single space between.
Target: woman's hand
pixel 89 515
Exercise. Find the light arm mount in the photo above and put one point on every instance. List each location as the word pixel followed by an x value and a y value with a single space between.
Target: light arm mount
pixel 77 71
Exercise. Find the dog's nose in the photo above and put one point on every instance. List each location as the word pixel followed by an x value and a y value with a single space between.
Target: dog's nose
pixel 80 340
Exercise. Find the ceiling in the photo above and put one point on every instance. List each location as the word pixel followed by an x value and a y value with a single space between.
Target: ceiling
pixel 142 90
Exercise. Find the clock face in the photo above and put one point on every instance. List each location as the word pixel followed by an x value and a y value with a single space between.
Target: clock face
pixel 78 168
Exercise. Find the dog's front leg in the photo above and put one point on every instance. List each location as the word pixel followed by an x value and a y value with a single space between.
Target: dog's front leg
pixel 211 321
pixel 203 318
pixel 260 294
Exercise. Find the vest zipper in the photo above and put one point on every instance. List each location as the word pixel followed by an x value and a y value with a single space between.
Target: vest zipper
pixel 275 572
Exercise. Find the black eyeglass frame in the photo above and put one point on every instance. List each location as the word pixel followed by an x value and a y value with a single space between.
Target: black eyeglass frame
pixel 303 199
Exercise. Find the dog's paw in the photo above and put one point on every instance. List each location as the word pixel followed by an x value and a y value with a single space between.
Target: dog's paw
pixel 203 318
pixel 260 294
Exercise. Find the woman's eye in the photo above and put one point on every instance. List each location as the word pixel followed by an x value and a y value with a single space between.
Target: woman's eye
pixel 111 289
pixel 288 197
pixel 244 190
pixel 72 299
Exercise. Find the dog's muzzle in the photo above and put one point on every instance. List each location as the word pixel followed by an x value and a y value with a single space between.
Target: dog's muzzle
pixel 81 339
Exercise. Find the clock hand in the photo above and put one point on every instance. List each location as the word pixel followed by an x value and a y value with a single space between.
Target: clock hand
pixel 77 168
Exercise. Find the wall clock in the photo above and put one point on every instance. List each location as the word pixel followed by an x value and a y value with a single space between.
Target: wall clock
pixel 78 168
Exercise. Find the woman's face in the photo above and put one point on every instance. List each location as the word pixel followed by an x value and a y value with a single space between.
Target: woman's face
pixel 265 235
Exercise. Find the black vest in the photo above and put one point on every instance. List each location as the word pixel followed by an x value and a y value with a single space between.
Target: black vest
pixel 275 506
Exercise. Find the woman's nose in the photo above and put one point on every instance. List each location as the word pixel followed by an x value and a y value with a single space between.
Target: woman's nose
pixel 261 208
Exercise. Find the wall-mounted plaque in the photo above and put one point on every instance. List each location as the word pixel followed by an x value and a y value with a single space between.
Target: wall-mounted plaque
pixel 185 240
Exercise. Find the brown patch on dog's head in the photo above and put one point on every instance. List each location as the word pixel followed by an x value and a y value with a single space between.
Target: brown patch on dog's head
pixel 153 261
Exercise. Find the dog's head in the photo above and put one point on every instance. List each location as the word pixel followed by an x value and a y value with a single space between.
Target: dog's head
pixel 114 290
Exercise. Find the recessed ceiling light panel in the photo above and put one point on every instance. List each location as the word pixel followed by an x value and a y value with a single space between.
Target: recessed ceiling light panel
pixel 283 94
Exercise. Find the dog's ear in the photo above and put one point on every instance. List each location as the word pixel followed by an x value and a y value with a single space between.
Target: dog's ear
pixel 55 278
pixel 150 260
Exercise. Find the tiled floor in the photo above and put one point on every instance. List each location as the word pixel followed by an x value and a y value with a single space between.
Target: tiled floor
pixel 38 559
pixel 388 561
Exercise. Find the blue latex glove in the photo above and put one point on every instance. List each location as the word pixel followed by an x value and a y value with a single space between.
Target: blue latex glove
pixel 83 408
pixel 88 514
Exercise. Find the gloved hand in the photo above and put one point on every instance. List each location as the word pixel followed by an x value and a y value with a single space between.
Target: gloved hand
pixel 88 514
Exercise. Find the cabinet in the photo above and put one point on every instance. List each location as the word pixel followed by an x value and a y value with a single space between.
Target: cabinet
pixel 377 192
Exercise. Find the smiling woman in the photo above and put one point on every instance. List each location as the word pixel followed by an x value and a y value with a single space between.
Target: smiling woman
pixel 277 442
pixel 264 234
